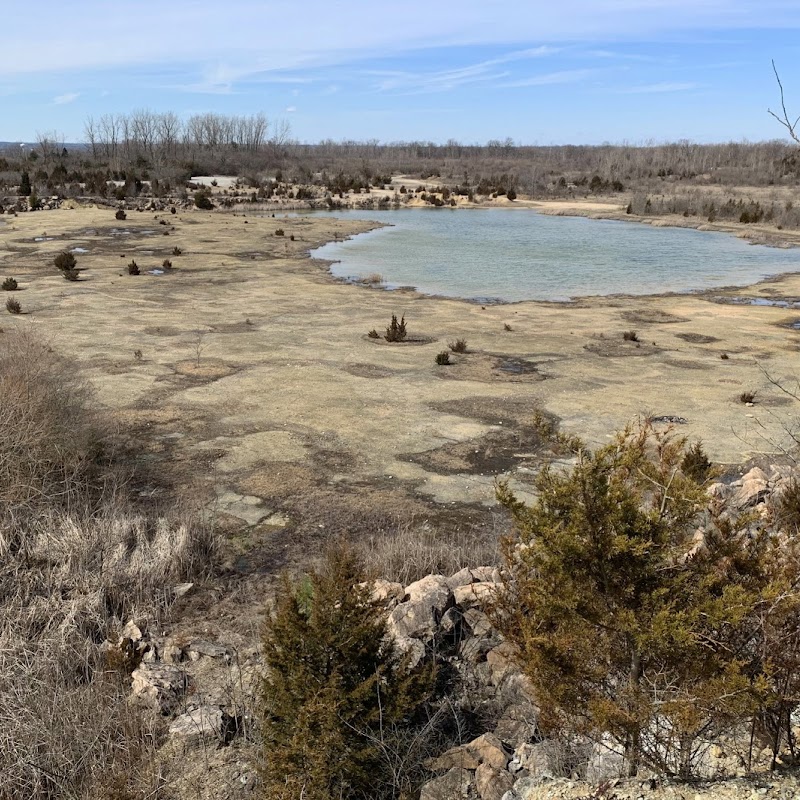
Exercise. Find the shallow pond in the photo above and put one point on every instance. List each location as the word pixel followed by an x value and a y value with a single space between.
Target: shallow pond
pixel 517 254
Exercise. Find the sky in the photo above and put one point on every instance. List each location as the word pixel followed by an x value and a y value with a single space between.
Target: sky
pixel 554 72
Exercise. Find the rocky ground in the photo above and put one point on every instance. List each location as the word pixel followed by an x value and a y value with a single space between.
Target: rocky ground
pixel 205 692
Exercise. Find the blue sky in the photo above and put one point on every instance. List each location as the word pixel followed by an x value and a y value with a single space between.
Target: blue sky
pixel 574 71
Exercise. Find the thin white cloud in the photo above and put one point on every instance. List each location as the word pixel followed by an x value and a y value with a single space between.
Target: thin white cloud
pixel 290 109
pixel 660 88
pixel 551 78
pixel 221 78
pixel 193 34
pixel 64 99
pixel 445 80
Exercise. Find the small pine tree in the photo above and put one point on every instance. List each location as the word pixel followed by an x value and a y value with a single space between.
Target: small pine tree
pixel 695 463
pixel 64 261
pixel 202 198
pixel 25 185
pixel 333 682
pixel 396 332
pixel 627 624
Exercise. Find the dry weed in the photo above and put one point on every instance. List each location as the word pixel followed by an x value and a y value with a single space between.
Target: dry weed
pixel 77 560
pixel 414 550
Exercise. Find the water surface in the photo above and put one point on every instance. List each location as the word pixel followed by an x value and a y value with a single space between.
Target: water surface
pixel 517 254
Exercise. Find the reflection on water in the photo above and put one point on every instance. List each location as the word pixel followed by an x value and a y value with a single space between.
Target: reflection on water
pixel 520 255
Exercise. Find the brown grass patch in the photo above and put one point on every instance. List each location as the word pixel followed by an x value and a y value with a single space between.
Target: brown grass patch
pixel 652 316
pixel 697 338
pixel 207 370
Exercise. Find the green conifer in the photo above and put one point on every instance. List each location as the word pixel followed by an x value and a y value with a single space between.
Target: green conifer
pixel 627 623
pixel 334 682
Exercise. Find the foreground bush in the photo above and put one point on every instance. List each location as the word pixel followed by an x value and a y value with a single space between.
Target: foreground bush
pixel 335 688
pixel 636 629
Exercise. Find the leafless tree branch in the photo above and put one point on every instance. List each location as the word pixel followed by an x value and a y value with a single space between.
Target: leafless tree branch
pixel 785 120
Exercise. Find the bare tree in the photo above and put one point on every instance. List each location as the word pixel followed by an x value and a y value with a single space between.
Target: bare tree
pixel 783 118
pixel 50 144
pixel 91 130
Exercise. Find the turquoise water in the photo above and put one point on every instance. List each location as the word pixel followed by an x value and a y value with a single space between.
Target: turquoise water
pixel 518 254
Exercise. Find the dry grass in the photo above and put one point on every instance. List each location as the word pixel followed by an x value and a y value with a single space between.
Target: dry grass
pixel 77 560
pixel 51 443
pixel 411 552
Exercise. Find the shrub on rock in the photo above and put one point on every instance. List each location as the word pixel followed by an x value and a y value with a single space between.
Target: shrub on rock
pixel 334 681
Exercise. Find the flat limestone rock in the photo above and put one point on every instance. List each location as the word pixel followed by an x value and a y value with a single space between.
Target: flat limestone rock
pixel 206 722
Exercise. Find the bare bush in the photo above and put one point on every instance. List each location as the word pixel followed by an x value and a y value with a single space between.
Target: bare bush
pixel 50 442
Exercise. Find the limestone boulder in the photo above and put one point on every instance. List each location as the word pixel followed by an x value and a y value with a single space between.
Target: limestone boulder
pixel 462 578
pixel 518 724
pixel 387 592
pixel 455 758
pixel 539 760
pixel 489 750
pixel 158 686
pixel 413 650
pixel 202 648
pixel 753 489
pixel 206 723
pixel 474 594
pixel 432 589
pixel 492 784
pixel 419 615
pixel 457 784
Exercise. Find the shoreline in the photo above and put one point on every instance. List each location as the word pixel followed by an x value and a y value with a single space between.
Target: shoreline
pixel 766 235
pixel 755 233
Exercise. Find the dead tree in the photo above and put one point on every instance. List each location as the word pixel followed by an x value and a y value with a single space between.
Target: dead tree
pixel 784 118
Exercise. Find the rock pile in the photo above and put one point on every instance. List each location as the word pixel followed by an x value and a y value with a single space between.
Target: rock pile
pixel 205 691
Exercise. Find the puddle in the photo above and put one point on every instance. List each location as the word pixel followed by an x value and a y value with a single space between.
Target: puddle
pixel 516 366
pixel 758 301
pixel 79 250
pixel 155 272
pixel 44 238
